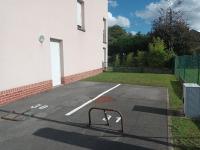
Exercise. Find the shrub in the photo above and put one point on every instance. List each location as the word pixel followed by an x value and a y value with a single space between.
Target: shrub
pixel 129 60
pixel 141 58
pixel 157 55
pixel 123 60
pixel 117 61
pixel 169 62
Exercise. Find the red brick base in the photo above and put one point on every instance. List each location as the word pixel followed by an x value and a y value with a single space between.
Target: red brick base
pixel 24 91
pixel 80 76
pixel 28 90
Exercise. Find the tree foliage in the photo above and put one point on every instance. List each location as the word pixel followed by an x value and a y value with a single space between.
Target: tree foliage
pixel 122 42
pixel 170 35
pixel 141 59
pixel 157 55
pixel 194 42
pixel 172 27
pixel 129 59
pixel 114 34
pixel 117 61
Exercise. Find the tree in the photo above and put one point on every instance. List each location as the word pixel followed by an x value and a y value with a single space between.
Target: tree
pixel 116 31
pixel 122 42
pixel 114 34
pixel 173 29
pixel 195 42
pixel 140 42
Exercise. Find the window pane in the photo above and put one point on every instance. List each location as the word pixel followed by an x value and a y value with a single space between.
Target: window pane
pixel 79 14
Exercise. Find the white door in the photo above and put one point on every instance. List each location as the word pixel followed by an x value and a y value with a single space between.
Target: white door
pixel 55 63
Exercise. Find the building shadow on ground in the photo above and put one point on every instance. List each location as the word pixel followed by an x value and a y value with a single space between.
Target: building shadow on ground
pixel 85 141
pixel 159 111
pixel 54 134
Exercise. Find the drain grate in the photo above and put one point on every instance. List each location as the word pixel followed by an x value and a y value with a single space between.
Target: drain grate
pixel 14 116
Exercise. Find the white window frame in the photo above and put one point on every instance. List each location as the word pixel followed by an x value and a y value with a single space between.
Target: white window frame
pixel 81 26
pixel 104 30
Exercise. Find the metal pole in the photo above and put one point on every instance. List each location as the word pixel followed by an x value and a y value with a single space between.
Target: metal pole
pixel 89 117
pixel 106 117
pixel 198 68
pixel 184 67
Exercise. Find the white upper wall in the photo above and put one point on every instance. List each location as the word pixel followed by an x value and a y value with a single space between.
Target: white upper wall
pixel 23 60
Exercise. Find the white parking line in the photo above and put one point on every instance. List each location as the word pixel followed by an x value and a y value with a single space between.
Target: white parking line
pixel 90 101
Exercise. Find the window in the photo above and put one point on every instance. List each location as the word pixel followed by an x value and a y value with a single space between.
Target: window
pixel 104 31
pixel 80 15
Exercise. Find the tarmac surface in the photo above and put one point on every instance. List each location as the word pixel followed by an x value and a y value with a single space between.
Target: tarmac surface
pixel 59 119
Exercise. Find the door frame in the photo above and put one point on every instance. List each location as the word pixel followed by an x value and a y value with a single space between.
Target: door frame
pixel 61 58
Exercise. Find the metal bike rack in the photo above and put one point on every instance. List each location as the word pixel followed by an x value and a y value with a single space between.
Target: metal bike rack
pixel 107 121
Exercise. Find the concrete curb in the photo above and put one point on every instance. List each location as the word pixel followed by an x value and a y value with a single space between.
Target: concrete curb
pixel 169 124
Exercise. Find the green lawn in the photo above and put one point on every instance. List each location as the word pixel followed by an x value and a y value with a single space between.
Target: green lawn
pixel 186 133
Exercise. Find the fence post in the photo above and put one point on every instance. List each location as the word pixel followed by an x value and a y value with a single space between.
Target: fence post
pixel 198 63
pixel 184 67
pixel 175 66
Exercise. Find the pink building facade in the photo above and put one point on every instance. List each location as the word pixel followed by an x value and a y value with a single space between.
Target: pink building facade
pixel 47 43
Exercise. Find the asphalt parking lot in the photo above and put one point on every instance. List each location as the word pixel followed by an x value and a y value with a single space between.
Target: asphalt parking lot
pixel 58 119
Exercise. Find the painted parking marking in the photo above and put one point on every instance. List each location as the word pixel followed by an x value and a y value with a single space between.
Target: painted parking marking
pixel 43 107
pixel 36 106
pixel 118 119
pixel 108 116
pixel 39 106
pixel 90 101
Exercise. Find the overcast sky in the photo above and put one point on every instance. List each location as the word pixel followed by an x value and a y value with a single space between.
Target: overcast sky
pixel 137 15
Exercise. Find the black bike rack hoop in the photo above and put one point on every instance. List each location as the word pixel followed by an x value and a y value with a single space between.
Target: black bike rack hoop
pixel 105 110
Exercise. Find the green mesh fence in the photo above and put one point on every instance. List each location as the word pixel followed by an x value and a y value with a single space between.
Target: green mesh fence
pixel 187 68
